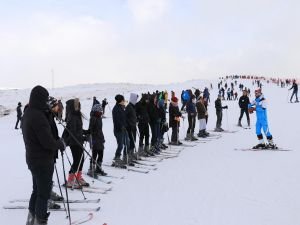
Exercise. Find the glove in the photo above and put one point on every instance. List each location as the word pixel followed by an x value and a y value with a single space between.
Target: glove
pixel 61 144
pixel 86 132
pixel 225 107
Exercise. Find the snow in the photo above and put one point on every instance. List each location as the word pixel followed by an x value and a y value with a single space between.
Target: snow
pixel 209 184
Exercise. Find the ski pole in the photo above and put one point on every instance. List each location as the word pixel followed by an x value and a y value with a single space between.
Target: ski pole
pixel 66 188
pixel 60 189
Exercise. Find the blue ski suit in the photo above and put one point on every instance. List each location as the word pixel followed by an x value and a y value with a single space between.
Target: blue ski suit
pixel 261 116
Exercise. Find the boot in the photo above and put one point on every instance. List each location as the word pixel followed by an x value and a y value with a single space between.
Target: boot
pixel 38 221
pixel 80 179
pixel 188 137
pixel 271 144
pixel 117 162
pixel 56 197
pixel 260 145
pixel 53 205
pixel 100 171
pixel 91 171
pixel 30 218
pixel 193 138
pixel 239 123
pixel 201 134
pixel 72 183
pixel 147 151
pixel 206 133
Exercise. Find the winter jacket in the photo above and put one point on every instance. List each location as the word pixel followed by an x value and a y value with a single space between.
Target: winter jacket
pixel 260 105
pixel 40 143
pixel 191 108
pixel 131 116
pixel 201 110
pixel 74 124
pixel 295 87
pixel 142 112
pixel 244 102
pixel 95 128
pixel 119 118
pixel 153 112
pixel 19 111
pixel 218 105
pixel 173 113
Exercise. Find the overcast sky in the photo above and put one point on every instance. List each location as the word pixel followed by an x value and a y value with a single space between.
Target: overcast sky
pixel 145 41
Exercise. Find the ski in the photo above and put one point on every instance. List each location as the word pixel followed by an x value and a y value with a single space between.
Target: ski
pixel 57 210
pixel 144 167
pixel 148 159
pixel 188 145
pixel 124 167
pixel 84 219
pixel 262 149
pixel 88 189
pixel 100 188
pixel 70 201
pixel 144 164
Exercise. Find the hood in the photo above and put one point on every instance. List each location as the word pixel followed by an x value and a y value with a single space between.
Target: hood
pixel 133 98
pixel 38 98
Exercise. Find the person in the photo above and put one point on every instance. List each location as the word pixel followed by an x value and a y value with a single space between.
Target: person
pixel 60 110
pixel 143 125
pixel 154 123
pixel 104 103
pixel 166 98
pixel 206 94
pixel 75 141
pixel 19 115
pixel 202 113
pixel 131 121
pixel 219 109
pixel 191 111
pixel 163 125
pixel 295 91
pixel 41 147
pixel 54 111
pixel 97 142
pixel 174 121
pixel 119 121
pixel 95 101
pixel 260 106
pixel 243 103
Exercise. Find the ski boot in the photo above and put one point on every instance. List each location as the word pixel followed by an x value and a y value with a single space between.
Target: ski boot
pixel 99 171
pixel 260 146
pixel 91 172
pixel 80 179
pixel 39 221
pixel 56 197
pixel 148 152
pixel 239 123
pixel 271 144
pixel 72 182
pixel 117 162
pixel 53 205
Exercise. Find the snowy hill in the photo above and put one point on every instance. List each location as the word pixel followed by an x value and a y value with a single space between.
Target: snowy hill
pixel 208 184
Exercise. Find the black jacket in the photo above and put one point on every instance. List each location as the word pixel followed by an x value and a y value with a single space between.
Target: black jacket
pixel 96 131
pixel 295 87
pixel 131 116
pixel 142 112
pixel 19 111
pixel 218 105
pixel 244 102
pixel 40 143
pixel 74 125
pixel 173 113
pixel 153 112
pixel 119 118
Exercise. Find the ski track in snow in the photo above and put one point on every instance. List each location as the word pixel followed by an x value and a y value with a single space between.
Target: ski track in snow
pixel 209 184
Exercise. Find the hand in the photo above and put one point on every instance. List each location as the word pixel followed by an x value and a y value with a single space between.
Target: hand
pixel 61 145
pixel 226 107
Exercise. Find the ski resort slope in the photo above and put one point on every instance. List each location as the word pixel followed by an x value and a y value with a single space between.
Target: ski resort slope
pixel 211 183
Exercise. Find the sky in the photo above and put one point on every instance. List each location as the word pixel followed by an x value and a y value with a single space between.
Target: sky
pixel 67 42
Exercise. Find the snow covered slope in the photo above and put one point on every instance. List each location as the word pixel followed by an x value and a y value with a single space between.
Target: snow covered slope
pixel 208 184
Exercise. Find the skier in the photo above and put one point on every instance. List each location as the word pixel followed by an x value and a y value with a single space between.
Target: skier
pixel 40 147
pixel 243 103
pixel 60 110
pixel 219 109
pixel 97 142
pixel 104 103
pixel 131 121
pixel 74 125
pixel 174 121
pixel 119 121
pixel 260 106
pixel 154 123
pixel 191 110
pixel 95 101
pixel 19 115
pixel 143 125
pixel 206 94
pixel 202 113
pixel 295 91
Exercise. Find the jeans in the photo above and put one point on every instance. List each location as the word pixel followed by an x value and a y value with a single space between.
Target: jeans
pixel 144 133
pixel 219 119
pixel 122 142
pixel 42 185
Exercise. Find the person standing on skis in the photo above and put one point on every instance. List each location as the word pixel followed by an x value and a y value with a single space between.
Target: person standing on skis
pixel 260 106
